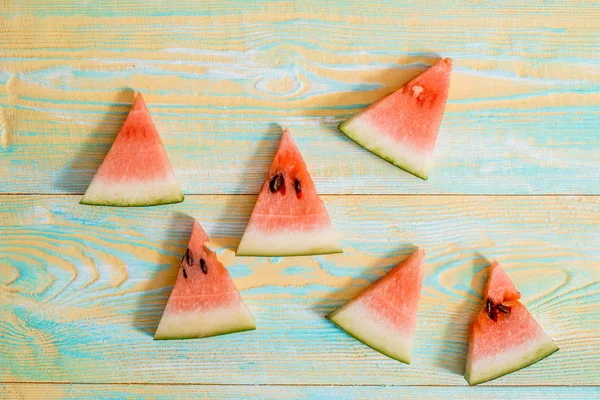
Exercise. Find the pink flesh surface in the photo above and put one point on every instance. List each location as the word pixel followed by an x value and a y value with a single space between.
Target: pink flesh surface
pixel 413 113
pixel 199 291
pixel 488 337
pixel 287 209
pixel 137 152
pixel 395 297
pixel 499 287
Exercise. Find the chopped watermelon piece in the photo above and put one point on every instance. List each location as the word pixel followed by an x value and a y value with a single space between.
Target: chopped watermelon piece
pixel 504 337
pixel 204 301
pixel 384 315
pixel 402 128
pixel 136 171
pixel 289 218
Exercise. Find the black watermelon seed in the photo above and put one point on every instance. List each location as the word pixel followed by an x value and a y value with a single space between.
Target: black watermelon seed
pixel 276 183
pixel 488 306
pixel 203 266
pixel 504 309
pixel 297 186
pixel 184 274
pixel 189 257
pixel 494 314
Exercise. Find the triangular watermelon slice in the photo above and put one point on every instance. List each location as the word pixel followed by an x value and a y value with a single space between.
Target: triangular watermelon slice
pixel 402 128
pixel 136 171
pixel 204 301
pixel 503 337
pixel 384 315
pixel 289 218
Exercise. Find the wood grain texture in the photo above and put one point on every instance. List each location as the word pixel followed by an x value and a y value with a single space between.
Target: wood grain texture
pixel 222 77
pixel 24 391
pixel 82 289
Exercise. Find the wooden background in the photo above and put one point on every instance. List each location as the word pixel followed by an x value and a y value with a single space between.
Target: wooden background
pixel 517 178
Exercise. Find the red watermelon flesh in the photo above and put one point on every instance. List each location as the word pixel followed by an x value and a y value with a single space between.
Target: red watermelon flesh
pixel 384 315
pixel 204 301
pixel 402 128
pixel 289 218
pixel 499 287
pixel 504 337
pixel 136 171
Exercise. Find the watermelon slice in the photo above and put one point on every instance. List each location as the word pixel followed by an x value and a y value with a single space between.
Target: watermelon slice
pixel 289 218
pixel 204 301
pixel 384 315
pixel 402 128
pixel 503 337
pixel 136 171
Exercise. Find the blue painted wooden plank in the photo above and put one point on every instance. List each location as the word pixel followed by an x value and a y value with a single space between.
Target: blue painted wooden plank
pixel 95 391
pixel 478 152
pixel 221 77
pixel 82 289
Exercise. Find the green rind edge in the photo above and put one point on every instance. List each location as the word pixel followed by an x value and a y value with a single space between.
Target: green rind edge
pixel 331 317
pixel 123 204
pixel 237 330
pixel 390 160
pixel 551 349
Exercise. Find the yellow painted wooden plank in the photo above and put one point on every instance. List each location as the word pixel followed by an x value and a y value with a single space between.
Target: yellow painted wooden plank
pixel 221 78
pixel 82 289
pixel 28 391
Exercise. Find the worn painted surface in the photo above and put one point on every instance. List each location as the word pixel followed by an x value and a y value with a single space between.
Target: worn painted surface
pixel 82 288
pixel 221 78
pixel 24 391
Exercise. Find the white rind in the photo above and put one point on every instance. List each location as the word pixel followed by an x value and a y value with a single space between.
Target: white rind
pixel 382 144
pixel 373 331
pixel 289 243
pixel 133 192
pixel 513 359
pixel 195 324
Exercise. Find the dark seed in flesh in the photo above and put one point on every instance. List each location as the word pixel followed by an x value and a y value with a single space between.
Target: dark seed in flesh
pixel 276 183
pixel 189 257
pixel 494 314
pixel 488 306
pixel 203 266
pixel 297 186
pixel 184 274
pixel 504 309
